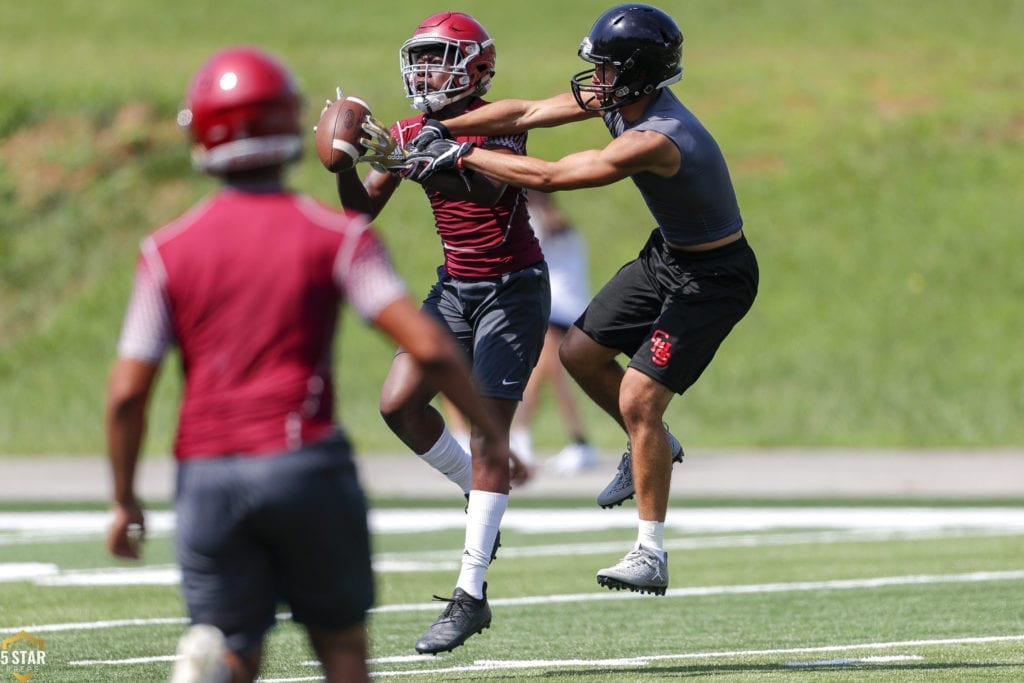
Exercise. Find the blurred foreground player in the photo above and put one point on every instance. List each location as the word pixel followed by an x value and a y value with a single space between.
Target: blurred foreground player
pixel 248 284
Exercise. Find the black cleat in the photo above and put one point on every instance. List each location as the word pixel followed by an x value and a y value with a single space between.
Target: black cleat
pixel 464 616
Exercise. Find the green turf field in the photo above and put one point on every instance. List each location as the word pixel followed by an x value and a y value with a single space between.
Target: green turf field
pixel 824 592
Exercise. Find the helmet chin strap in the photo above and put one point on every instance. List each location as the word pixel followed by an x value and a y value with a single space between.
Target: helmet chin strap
pixel 433 102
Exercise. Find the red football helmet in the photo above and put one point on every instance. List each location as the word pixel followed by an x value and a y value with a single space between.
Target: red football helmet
pixel 453 44
pixel 242 110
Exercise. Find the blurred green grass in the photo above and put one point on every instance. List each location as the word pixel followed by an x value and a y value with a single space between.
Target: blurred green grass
pixel 876 149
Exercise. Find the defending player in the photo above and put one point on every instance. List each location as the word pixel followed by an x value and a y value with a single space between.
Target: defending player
pixel 248 284
pixel 695 278
pixel 492 293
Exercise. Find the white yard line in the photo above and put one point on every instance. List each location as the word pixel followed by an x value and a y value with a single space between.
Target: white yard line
pixel 702 591
pixel 843 661
pixel 27 525
pixel 639 660
pixel 504 664
pixel 448 560
pixel 822 525
pixel 695 591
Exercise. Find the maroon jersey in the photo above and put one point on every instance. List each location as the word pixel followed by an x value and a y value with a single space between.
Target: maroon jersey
pixel 249 286
pixel 481 241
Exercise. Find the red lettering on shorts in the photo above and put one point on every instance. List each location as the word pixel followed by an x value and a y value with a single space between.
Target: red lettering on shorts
pixel 661 348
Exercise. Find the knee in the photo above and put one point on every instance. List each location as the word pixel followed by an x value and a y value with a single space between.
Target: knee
pixel 393 410
pixel 642 402
pixel 633 412
pixel 569 355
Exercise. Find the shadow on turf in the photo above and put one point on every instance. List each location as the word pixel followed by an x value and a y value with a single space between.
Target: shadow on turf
pixel 621 673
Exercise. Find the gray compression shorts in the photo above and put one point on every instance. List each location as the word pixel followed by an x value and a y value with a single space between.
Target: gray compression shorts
pixel 500 322
pixel 253 531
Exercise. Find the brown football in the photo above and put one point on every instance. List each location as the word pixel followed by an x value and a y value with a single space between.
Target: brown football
pixel 338 133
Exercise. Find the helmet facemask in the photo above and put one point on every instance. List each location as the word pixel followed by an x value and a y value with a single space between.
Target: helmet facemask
pixel 459 61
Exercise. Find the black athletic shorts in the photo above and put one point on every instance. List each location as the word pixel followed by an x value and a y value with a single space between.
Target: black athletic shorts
pixel 289 528
pixel 669 310
pixel 500 322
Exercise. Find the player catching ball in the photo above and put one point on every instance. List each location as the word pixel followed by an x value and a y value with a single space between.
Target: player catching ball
pixel 491 293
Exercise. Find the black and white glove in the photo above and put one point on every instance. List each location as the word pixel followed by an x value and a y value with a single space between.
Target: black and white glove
pixel 431 131
pixel 439 155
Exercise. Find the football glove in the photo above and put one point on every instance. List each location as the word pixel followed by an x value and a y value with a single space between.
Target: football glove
pixel 382 150
pixel 431 131
pixel 439 155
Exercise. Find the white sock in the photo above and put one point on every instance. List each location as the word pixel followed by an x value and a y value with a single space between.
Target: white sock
pixel 483 517
pixel 652 535
pixel 447 457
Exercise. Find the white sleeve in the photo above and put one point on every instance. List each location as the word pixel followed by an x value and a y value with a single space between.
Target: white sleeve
pixel 146 331
pixel 364 273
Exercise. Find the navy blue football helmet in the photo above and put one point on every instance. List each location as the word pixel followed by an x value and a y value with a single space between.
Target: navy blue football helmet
pixel 642 43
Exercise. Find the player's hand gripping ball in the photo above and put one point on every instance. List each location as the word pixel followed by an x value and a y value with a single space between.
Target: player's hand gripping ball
pixel 338 133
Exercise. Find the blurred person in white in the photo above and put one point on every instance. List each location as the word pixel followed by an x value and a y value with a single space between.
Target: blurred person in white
pixel 568 267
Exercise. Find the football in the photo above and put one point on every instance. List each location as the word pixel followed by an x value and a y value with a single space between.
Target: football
pixel 338 133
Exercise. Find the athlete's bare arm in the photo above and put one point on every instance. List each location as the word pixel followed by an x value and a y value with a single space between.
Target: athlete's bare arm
pixel 515 116
pixel 475 187
pixel 626 155
pixel 128 391
pixel 367 196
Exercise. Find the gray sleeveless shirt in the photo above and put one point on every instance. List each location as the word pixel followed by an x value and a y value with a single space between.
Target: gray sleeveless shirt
pixel 698 203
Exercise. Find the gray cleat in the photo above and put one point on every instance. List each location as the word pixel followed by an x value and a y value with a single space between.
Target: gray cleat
pixel 621 487
pixel 642 570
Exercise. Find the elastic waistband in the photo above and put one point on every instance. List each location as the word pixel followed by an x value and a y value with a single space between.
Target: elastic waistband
pixel 724 250
pixel 504 277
